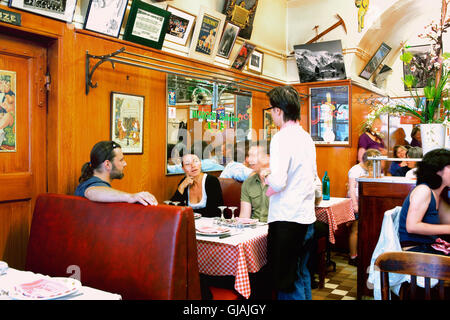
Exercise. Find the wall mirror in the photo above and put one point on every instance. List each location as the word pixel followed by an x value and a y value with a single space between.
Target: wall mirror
pixel 207 119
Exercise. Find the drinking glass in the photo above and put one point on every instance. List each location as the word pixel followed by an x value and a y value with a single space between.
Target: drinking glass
pixel 222 218
pixel 232 212
pixel 168 202
pixel 176 202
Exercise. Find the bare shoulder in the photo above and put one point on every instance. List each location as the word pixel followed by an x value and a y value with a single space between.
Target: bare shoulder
pixel 421 193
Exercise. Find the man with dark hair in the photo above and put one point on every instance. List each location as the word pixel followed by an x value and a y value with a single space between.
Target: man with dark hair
pixel 291 190
pixel 107 163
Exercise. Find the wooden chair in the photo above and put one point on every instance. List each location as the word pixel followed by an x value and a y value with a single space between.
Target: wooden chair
pixel 414 264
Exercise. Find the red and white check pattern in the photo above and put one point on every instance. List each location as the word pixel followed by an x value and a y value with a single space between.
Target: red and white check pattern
pixel 221 259
pixel 339 211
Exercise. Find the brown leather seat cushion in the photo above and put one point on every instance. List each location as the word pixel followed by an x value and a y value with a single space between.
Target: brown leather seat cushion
pixel 231 191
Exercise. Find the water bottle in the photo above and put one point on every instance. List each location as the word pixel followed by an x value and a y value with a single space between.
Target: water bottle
pixel 326 187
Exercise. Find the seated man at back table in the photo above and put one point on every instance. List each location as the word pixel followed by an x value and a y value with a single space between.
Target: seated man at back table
pixel 107 163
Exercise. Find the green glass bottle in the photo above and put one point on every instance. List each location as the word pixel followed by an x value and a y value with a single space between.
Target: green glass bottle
pixel 326 186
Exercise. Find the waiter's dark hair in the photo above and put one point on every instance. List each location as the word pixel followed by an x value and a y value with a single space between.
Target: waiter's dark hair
pixel 102 151
pixel 287 99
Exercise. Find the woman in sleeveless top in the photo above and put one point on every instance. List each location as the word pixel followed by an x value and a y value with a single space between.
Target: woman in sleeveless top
pixel 425 214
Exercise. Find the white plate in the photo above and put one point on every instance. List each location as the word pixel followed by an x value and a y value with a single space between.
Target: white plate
pixel 220 231
pixel 246 222
pixel 38 289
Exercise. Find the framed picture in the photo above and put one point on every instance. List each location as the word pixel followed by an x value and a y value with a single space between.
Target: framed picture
pixel 180 25
pixel 329 115
pixel 320 61
pixel 59 10
pixel 241 13
pixel 229 36
pixel 127 121
pixel 243 55
pixel 255 62
pixel 8 115
pixel 105 17
pixel 375 61
pixel 146 24
pixel 421 54
pixel 205 40
pixel 269 126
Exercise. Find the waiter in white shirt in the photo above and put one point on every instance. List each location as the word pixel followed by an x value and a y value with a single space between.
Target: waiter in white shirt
pixel 291 190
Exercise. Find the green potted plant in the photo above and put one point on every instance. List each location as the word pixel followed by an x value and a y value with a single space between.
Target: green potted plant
pixel 432 109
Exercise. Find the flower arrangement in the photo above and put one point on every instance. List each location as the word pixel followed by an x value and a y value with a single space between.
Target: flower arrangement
pixel 435 108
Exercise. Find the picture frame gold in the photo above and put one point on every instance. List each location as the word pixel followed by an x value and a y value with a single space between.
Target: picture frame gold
pixel 207 32
pixel 181 24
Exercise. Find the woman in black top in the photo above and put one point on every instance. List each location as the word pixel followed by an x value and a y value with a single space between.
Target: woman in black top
pixel 198 190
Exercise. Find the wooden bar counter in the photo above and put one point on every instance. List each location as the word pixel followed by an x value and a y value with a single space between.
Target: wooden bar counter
pixel 376 195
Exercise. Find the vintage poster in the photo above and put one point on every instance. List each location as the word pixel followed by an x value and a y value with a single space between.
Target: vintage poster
pixel 7 111
pixel 207 35
pixel 330 115
pixel 127 121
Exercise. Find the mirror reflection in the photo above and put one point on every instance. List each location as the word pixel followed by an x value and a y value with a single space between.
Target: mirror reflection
pixel 205 119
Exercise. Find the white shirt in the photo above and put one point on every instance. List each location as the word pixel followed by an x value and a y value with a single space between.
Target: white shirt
pixel 202 203
pixel 356 172
pixel 293 170
pixel 411 174
pixel 236 170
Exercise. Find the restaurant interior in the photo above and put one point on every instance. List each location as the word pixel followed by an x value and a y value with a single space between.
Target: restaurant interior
pixel 157 77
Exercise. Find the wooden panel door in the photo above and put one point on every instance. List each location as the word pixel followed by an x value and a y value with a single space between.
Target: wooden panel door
pixel 23 167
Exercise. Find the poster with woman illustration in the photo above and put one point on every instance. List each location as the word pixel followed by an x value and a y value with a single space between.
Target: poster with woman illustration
pixel 7 111
pixel 127 121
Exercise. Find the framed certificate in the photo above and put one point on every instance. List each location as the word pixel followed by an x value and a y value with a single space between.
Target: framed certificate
pixel 146 24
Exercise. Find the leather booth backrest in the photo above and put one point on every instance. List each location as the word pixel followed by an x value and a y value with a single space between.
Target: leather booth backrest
pixel 140 252
pixel 231 192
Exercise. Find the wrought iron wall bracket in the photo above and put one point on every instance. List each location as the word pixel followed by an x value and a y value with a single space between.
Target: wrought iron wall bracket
pixel 102 59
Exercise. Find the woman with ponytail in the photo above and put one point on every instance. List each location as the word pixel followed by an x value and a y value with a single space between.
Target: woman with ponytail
pixel 107 163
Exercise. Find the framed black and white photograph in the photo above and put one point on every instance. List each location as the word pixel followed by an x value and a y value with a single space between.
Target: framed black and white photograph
pixel 180 27
pixel 146 24
pixel 206 36
pixel 375 61
pixel 329 120
pixel 56 9
pixel 229 36
pixel 421 55
pixel 320 61
pixel 255 62
pixel 127 117
pixel 105 17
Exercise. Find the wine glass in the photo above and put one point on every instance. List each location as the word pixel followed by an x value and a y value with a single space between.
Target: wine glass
pixel 232 212
pixel 176 202
pixel 168 202
pixel 222 218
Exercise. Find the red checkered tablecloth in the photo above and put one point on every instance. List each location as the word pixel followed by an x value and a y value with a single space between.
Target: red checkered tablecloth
pixel 335 212
pixel 221 259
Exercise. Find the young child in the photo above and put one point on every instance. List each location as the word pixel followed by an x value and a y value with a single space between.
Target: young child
pixel 361 169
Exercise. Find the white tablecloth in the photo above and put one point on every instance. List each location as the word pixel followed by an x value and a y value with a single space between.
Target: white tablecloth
pixel 14 277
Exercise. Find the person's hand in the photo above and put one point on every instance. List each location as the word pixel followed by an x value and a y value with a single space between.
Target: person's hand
pixel 144 198
pixel 188 181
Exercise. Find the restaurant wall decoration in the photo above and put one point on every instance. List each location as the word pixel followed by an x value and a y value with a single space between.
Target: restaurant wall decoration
pixel 229 36
pixel 206 36
pixel 320 61
pixel 127 121
pixel 243 55
pixel 375 61
pixel 241 13
pixel 59 10
pixel 180 26
pixel 329 120
pixel 8 111
pixel 105 17
pixel 146 24
pixel 421 54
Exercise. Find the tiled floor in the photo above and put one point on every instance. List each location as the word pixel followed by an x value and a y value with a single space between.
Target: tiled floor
pixel 339 285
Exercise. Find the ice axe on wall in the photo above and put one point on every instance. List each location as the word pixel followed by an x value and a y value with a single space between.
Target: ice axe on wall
pixel 334 26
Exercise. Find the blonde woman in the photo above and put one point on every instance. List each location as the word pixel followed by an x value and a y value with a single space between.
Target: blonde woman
pixel 361 169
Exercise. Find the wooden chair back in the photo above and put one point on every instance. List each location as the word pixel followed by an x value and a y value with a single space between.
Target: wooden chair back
pixel 417 265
